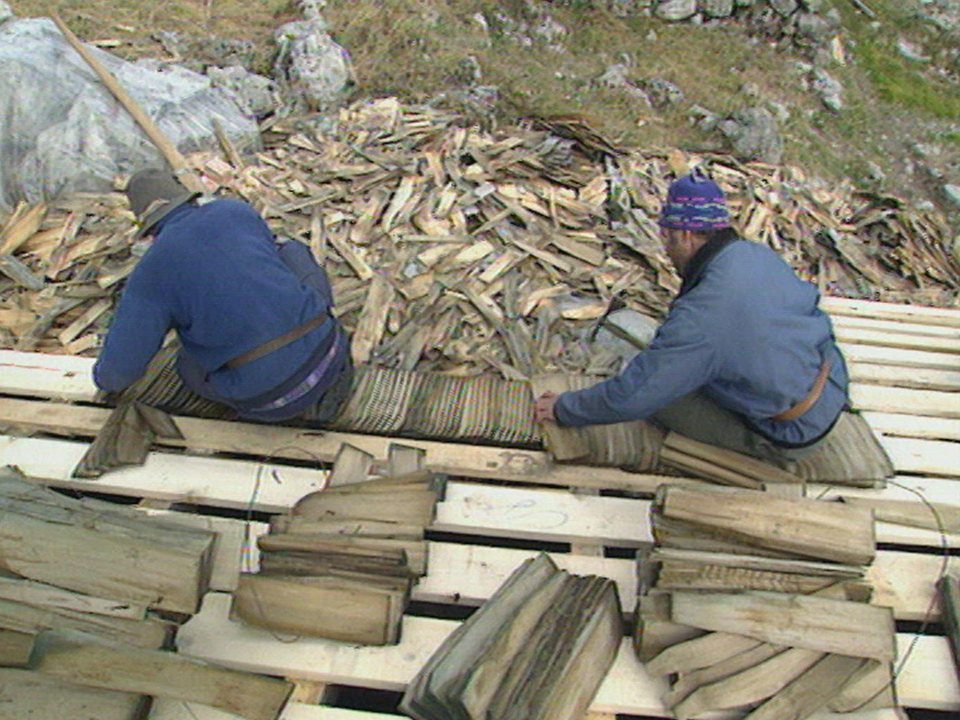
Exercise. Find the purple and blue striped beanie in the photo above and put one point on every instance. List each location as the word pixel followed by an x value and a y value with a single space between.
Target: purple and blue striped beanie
pixel 695 202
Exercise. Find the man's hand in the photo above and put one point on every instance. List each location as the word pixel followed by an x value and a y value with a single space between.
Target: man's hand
pixel 543 407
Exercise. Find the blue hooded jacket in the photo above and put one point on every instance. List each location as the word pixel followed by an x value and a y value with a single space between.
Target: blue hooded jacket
pixel 747 332
pixel 215 275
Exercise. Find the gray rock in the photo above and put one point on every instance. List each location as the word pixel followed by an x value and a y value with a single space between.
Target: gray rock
pixel 662 92
pixel 6 12
pixel 911 51
pixel 745 3
pixel 256 95
pixel 716 8
pixel 784 7
pixel 814 30
pixel 813 6
pixel 755 135
pixel 829 89
pixel 314 70
pixel 676 9
pixel 705 119
pixel 876 172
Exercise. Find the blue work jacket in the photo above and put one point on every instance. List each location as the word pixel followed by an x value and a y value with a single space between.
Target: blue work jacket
pixel 744 330
pixel 215 275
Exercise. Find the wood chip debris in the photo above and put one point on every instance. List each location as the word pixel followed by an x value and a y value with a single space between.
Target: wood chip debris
pixel 479 251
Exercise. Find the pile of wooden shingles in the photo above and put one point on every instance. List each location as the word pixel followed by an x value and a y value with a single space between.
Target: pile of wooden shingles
pixel 467 251
pixel 90 593
pixel 342 563
pixel 759 604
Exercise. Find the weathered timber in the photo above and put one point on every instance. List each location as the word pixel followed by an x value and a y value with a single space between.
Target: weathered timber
pixel 750 686
pixel 412 552
pixel 801 621
pixel 27 618
pixel 101 549
pixel 28 695
pixel 738 463
pixel 700 652
pixel 15 648
pixel 810 528
pixel 934 516
pixel 811 691
pixel 329 607
pixel 82 659
pixel 948 588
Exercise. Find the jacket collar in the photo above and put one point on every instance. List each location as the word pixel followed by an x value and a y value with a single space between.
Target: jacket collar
pixel 694 270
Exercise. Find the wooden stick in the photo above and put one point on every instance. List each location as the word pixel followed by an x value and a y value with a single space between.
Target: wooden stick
pixel 949 590
pixel 173 156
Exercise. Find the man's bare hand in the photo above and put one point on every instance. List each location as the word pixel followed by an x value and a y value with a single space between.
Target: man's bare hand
pixel 543 407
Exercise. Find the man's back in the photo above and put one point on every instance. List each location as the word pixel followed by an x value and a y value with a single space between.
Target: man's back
pixel 215 275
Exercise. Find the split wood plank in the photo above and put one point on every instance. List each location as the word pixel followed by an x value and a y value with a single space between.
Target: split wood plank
pixel 811 528
pixel 45 595
pixel 810 691
pixel 745 465
pixel 93 547
pixel 352 465
pixel 794 620
pixel 27 695
pixel 528 466
pixel 82 659
pixel 926 681
pixel 373 319
pixel 891 311
pixel 948 594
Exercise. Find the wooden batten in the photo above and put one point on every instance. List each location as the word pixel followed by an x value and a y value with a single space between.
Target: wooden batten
pixel 15 648
pixel 810 528
pixel 83 660
pixel 811 690
pixel 749 686
pixel 738 464
pixel 816 623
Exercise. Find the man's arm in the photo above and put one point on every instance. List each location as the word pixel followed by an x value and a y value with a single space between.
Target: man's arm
pixel 677 362
pixel 135 336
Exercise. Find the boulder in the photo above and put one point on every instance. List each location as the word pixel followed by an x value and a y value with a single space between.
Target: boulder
pixel 676 9
pixel 315 72
pixel 716 8
pixel 755 135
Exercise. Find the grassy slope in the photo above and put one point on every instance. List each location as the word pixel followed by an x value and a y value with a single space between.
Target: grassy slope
pixel 414 48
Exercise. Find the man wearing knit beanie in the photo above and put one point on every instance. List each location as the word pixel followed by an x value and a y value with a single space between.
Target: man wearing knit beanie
pixel 744 360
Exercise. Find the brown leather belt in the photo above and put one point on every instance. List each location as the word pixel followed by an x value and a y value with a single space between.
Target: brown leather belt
pixel 278 342
pixel 808 402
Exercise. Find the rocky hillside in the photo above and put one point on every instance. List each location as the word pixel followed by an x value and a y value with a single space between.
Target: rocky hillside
pixel 865 90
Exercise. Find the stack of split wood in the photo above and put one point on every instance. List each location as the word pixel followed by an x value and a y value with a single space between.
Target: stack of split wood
pixel 341 565
pixel 759 604
pixel 89 594
pixel 468 252
pixel 538 649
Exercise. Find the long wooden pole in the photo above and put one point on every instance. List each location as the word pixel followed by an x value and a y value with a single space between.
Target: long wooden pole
pixel 173 156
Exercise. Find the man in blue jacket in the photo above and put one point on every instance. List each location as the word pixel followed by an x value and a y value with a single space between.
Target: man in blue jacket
pixel 253 316
pixel 744 360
